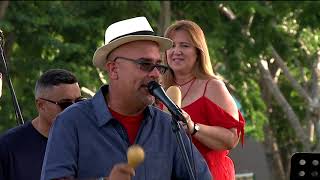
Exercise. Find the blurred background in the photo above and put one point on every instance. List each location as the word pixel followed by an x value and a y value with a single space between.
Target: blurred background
pixel 267 52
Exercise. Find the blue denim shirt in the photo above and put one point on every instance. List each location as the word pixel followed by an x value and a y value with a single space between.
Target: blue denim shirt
pixel 86 142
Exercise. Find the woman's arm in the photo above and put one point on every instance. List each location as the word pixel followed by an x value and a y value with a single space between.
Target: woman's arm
pixel 216 137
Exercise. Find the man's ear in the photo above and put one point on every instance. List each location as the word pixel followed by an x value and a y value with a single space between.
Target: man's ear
pixel 39 104
pixel 112 70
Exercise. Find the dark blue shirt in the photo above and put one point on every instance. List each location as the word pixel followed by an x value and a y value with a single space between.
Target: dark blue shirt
pixel 21 153
pixel 86 141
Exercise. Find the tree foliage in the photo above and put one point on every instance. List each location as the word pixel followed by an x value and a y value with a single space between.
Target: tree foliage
pixel 268 53
pixel 56 34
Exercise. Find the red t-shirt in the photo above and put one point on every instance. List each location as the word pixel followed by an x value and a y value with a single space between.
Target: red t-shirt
pixel 130 123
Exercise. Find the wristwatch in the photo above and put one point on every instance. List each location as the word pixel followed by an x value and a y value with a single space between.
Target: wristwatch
pixel 196 128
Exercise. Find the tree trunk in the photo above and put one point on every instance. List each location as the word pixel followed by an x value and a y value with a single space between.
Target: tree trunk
pixel 270 143
pixel 3 8
pixel 165 16
pixel 288 75
pixel 278 96
pixel 316 96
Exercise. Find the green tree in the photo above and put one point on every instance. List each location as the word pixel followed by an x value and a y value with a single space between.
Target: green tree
pixel 58 34
pixel 267 51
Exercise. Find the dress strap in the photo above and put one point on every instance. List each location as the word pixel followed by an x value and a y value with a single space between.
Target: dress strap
pixel 205 88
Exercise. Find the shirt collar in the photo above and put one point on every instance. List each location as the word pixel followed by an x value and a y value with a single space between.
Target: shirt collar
pixel 100 106
pixel 101 110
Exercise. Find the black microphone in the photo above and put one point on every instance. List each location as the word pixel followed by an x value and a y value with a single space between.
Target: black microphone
pixel 157 91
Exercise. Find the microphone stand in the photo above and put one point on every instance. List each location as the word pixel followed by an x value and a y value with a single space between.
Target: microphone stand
pixel 8 79
pixel 157 91
pixel 176 129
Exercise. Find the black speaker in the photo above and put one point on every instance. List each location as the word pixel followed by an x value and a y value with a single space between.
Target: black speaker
pixel 305 166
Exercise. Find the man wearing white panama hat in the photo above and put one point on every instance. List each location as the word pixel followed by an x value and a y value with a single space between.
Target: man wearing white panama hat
pixel 91 138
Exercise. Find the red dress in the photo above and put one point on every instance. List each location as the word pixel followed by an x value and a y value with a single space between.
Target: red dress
pixel 204 111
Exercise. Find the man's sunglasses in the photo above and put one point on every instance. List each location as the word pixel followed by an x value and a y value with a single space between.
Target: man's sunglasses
pixel 145 64
pixel 64 104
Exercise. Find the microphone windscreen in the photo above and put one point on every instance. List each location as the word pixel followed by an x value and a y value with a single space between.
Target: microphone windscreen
pixel 174 93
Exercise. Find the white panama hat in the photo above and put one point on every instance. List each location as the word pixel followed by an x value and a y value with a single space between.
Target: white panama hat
pixel 126 31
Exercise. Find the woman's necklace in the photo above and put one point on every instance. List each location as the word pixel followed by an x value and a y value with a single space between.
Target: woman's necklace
pixel 192 81
pixel 185 82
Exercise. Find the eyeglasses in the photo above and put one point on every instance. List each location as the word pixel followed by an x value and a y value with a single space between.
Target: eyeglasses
pixel 64 104
pixel 145 64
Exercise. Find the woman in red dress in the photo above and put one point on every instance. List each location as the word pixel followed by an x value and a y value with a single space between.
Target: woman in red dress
pixel 215 123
